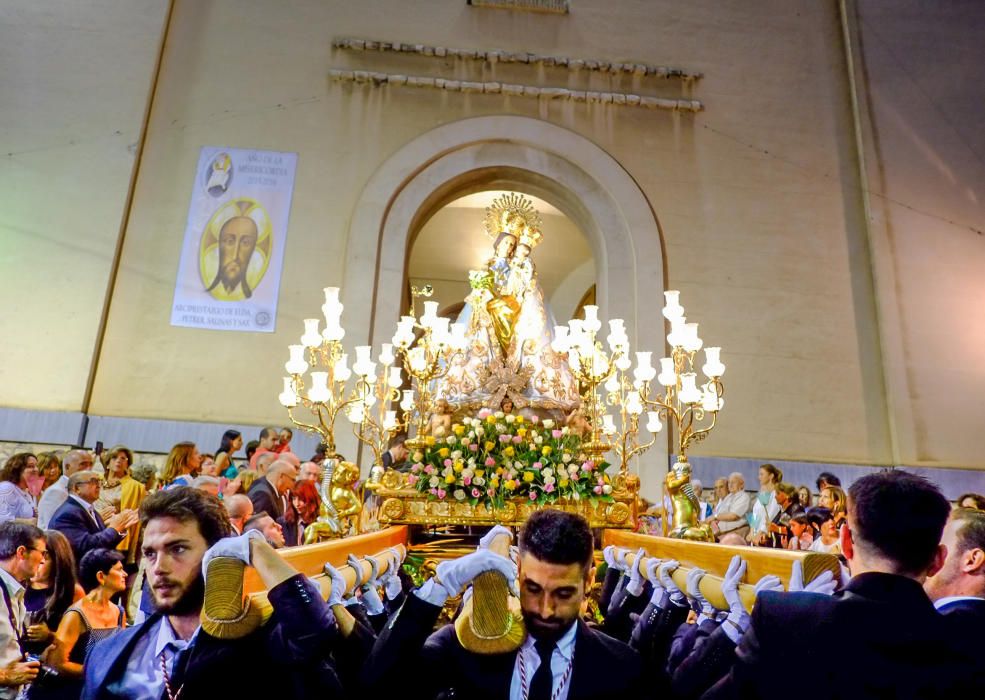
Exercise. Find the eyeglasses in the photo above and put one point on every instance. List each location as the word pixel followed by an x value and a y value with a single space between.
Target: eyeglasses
pixel 45 554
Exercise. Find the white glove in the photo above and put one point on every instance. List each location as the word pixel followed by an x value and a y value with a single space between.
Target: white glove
pixel 392 585
pixel 485 542
pixel 824 583
pixel 232 547
pixel 621 563
pixel 636 577
pixel 659 597
pixel 453 575
pixel 609 554
pixel 664 571
pixel 768 583
pixel 694 591
pixel 338 585
pixel 737 621
pixel 353 561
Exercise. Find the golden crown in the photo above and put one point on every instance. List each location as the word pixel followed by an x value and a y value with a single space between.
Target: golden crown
pixel 511 213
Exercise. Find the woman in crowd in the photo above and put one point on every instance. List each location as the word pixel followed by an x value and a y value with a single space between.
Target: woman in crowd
pixel 973 501
pixel 764 507
pixel 50 468
pixel 834 499
pixel 122 492
pixel 306 503
pixel 182 465
pixel 231 443
pixel 146 476
pixel 824 521
pixel 208 467
pixel 804 496
pixel 50 593
pixel 246 479
pixel 802 533
pixel 16 501
pixel 92 619
pixel 786 498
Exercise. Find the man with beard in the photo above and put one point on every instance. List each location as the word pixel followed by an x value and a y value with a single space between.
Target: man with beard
pixel 237 241
pixel 560 659
pixel 170 656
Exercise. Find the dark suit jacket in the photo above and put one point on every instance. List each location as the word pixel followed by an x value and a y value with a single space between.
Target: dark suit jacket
pixel 603 667
pixel 685 639
pixel 709 661
pixel 72 520
pixel 289 657
pixel 878 638
pixel 265 498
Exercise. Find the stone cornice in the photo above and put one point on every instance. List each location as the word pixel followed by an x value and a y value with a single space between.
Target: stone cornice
pixel 501 56
pixel 377 79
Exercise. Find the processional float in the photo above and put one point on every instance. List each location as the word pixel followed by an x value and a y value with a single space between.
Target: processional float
pixel 509 413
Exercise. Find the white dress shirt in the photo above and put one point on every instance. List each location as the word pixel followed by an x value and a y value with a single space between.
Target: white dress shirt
pixel 738 503
pixel 143 678
pixel 88 508
pixel 944 602
pixel 10 650
pixel 51 500
pixel 561 659
pixel 16 503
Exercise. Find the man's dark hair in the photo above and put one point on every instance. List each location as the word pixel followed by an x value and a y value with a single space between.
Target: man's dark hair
pixel 254 522
pixel 96 561
pixel 287 430
pixel 14 535
pixel 976 498
pixel 899 515
pixel 184 503
pixel 267 432
pixel 251 447
pixel 818 516
pixel 558 537
pixel 827 478
pixel 971 528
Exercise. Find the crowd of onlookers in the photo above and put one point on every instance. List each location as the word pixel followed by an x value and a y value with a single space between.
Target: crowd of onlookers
pixel 92 545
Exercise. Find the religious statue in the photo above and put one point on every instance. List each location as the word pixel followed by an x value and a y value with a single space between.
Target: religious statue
pixel 340 504
pixel 685 524
pixel 577 423
pixel 439 424
pixel 509 326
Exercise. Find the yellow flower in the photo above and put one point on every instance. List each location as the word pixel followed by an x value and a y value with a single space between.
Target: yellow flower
pixel 450 479
pixel 511 485
pixel 528 476
pixel 519 419
pixel 605 478
pixel 491 420
pixel 509 452
pixel 459 430
pixel 489 445
pixel 429 440
pixel 499 470
pixel 494 482
pixel 546 450
pixel 521 431
pixel 563 483
pixel 459 465
pixel 480 473
pixel 444 452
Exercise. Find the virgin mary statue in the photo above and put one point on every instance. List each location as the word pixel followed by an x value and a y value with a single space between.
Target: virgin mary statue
pixel 509 326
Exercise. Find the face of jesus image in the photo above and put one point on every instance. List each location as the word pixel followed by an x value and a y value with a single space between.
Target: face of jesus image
pixel 237 241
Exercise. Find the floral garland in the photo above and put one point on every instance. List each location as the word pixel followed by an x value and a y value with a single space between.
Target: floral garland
pixel 496 457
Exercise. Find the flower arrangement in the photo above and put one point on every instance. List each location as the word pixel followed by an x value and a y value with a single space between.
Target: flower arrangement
pixel 495 457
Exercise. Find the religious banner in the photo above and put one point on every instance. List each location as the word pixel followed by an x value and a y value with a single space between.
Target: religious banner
pixel 233 250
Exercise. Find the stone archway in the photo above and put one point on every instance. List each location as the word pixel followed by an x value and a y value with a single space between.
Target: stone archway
pixel 504 152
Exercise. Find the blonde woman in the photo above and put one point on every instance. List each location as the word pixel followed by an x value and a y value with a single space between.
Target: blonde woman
pixel 50 467
pixel 122 492
pixel 182 465
pixel 834 499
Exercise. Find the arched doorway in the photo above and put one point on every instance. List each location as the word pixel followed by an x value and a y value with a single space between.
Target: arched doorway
pixel 509 153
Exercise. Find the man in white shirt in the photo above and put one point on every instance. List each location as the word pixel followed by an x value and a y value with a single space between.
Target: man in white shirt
pixel 730 513
pixel 56 494
pixel 22 549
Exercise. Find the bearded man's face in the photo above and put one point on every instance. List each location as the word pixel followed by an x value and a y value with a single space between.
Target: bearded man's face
pixel 237 241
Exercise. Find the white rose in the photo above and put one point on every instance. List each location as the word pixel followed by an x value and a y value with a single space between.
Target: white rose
pixel 433 481
pixel 499 414
pixel 471 462
pixel 573 468
pixel 548 424
pixel 538 440
pixel 547 471
pixel 564 430
pixel 518 464
pixel 500 428
pixel 459 494
pixel 457 454
pixel 575 495
pixel 439 431
pixel 451 440
pixel 479 481
pixel 471 435
pixel 607 489
pixel 565 458
pixel 468 473
pixel 549 479
pixel 480 432
pixel 510 418
pixel 446 471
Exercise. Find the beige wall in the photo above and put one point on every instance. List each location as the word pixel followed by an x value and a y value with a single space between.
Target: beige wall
pixel 758 198
pixel 74 81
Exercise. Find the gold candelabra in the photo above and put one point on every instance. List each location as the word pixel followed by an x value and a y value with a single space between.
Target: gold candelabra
pixel 690 410
pixel 624 400
pixel 426 358
pixel 374 423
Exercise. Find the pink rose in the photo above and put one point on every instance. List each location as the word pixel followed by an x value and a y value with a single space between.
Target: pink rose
pixel 476 493
pixel 533 496
pixel 484 413
pixel 442 492
pixel 416 468
pixel 447 462
pixel 490 492
pixel 473 447
pixel 411 480
pixel 598 489
pixel 434 492
pixel 586 467
pixel 537 465
pixel 549 488
pixel 517 439
pixel 429 469
pixel 504 438
pixel 535 418
pixel 556 434
pixel 490 462
pixel 467 481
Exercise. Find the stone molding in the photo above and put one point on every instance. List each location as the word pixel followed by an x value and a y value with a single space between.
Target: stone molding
pixel 378 79
pixel 501 56
pixel 555 7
